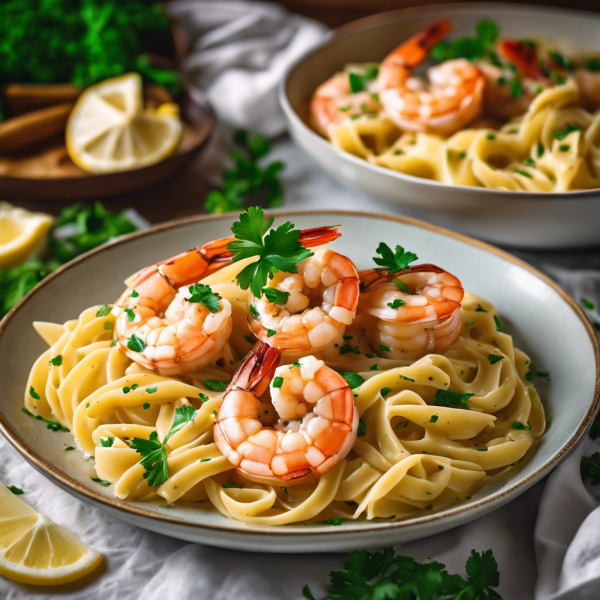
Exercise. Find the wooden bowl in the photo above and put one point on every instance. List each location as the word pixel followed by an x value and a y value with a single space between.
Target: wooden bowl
pixel 47 173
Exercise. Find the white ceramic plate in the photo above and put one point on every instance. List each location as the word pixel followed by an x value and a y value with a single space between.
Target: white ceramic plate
pixel 543 319
pixel 540 220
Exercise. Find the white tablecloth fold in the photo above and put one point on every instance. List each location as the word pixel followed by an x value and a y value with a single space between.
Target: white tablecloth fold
pixel 239 51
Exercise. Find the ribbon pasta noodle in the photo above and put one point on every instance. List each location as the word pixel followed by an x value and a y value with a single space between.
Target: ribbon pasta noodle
pixel 412 455
pixel 524 154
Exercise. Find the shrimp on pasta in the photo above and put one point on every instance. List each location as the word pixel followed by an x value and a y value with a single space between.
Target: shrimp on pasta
pixel 168 323
pixel 452 98
pixel 306 311
pixel 317 423
pixel 411 313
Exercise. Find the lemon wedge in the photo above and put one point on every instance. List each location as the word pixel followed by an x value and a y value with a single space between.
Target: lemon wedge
pixel 21 233
pixel 35 550
pixel 109 130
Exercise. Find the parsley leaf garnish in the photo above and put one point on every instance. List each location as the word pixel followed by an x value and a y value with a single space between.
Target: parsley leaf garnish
pixel 203 294
pixel 561 134
pixel 362 428
pixel 518 425
pixel 470 48
pixel 383 576
pixel 277 382
pixel 248 179
pixel 397 303
pixel 494 358
pixel 108 442
pixel 52 425
pixel 394 261
pixel 385 391
pixel 100 481
pixel 130 314
pixel 452 399
pixel 358 83
pixel 154 453
pixel 276 296
pixel 353 379
pixel 136 344
pixel 401 286
pixel 103 311
pixel 15 490
pixel 347 349
pixel 215 385
pixel 534 371
pixel 280 249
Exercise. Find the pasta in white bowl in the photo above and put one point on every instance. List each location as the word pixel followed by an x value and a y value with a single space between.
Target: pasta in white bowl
pixel 473 164
pixel 436 439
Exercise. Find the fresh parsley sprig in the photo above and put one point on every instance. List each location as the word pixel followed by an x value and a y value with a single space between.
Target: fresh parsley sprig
pixel 154 452
pixel 486 34
pixel 203 294
pixel 247 180
pixel 394 261
pixel 383 575
pixel 278 250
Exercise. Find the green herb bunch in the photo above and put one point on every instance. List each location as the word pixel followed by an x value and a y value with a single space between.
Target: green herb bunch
pixel 78 41
pixel 247 182
pixel 384 576
pixel 90 226
pixel 471 48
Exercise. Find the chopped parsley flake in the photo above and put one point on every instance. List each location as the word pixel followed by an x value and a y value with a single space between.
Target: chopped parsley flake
pixel 146 405
pixel 452 399
pixel 385 391
pixel 15 490
pixel 433 419
pixel 151 390
pixel 347 349
pixel 136 344
pixel 362 428
pixel 587 304
pixel 397 303
pixel 402 286
pixel 56 361
pixel 271 332
pixel 498 323
pixel 203 294
pixel 100 481
pixel 275 296
pixel 130 314
pixel 561 134
pixel 354 380
pixel 231 485
pixel 215 385
pixel 277 382
pixel 108 442
pixel 384 348
pixel 520 426
pixel 494 358
pixel 103 311
pixel 534 371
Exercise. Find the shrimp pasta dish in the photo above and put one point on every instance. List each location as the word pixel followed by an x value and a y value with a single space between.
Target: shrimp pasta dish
pixel 485 111
pixel 265 377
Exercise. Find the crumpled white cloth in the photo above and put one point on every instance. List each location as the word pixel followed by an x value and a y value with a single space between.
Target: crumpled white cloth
pixel 546 542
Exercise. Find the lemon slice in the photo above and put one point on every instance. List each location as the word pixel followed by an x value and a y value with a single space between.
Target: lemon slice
pixel 35 550
pixel 109 130
pixel 21 233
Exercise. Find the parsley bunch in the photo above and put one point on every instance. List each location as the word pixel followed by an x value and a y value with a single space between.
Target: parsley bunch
pixel 486 34
pixel 279 250
pixel 77 230
pixel 154 453
pixel 384 576
pixel 247 180
pixel 79 41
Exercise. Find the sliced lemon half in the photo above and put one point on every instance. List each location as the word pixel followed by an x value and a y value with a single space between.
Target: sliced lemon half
pixel 21 233
pixel 35 550
pixel 109 130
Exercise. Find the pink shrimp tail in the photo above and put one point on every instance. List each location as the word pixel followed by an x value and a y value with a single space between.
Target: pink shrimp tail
pixel 416 49
pixel 317 236
pixel 524 57
pixel 256 370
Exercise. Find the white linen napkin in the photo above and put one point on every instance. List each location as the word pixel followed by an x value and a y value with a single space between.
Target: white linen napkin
pixel 238 54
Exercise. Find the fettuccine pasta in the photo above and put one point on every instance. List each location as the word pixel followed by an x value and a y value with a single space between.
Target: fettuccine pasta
pixel 412 454
pixel 524 154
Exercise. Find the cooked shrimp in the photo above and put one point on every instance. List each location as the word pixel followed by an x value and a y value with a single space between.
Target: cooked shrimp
pixel 317 423
pixel 320 301
pixel 180 336
pixel 452 99
pixel 588 83
pixel 333 102
pixel 427 318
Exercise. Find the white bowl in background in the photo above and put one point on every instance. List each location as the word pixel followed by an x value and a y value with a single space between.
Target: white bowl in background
pixel 523 219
